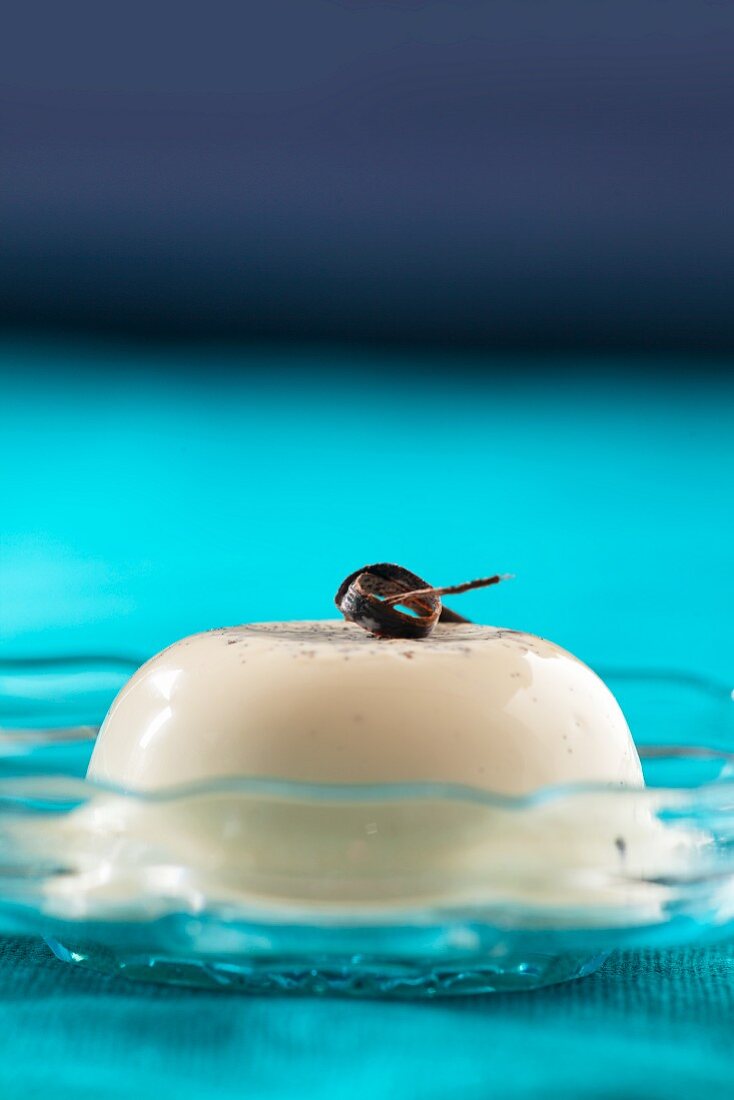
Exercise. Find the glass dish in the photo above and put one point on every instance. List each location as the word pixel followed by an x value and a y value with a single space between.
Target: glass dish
pixel 415 890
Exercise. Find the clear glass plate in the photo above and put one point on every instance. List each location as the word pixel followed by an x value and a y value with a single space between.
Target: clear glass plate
pixel 411 890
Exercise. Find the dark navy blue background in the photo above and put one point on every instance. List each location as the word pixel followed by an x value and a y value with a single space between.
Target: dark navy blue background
pixel 509 174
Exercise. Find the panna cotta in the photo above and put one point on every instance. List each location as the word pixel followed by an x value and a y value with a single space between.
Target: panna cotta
pixel 296 768
pixel 326 703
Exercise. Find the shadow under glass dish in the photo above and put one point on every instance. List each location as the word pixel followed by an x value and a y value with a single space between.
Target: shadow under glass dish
pixel 416 890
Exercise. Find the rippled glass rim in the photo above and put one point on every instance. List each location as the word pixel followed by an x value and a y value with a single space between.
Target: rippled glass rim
pixel 297 790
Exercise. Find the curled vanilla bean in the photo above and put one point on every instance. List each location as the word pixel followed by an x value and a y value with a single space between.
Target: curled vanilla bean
pixel 369 598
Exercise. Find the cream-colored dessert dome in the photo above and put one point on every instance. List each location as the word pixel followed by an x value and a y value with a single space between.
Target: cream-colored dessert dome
pixel 325 702
pixel 469 709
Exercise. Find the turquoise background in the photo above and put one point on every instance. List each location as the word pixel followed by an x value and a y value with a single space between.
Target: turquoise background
pixel 150 493
pixel 147 493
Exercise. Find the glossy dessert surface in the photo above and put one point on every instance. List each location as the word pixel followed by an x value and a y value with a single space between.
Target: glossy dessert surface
pixel 324 702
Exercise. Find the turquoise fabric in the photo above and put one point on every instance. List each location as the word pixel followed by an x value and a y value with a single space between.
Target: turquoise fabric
pixel 653 1026
pixel 146 495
